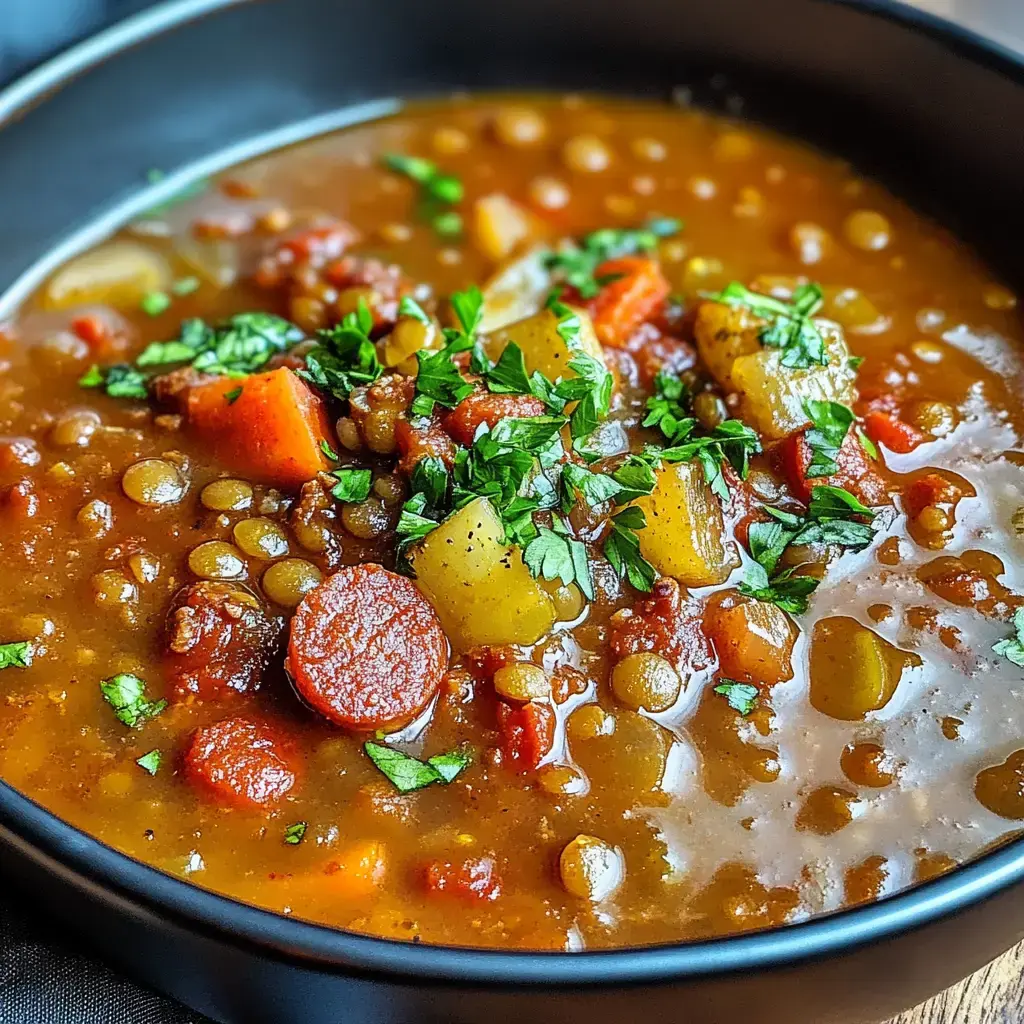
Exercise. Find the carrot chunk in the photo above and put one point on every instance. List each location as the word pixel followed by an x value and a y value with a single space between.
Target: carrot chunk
pixel 623 304
pixel 358 870
pixel 896 435
pixel 753 639
pixel 267 426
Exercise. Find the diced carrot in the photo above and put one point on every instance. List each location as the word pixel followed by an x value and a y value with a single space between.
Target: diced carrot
pixel 99 335
pixel 528 732
pixel 358 870
pixel 268 426
pixel 896 435
pixel 625 303
pixel 855 471
pixel 931 489
pixel 475 877
pixel 754 640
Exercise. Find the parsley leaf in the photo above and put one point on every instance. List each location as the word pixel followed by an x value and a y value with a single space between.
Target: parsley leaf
pixel 430 478
pixel 294 834
pixel 352 485
pixel 790 327
pixel 836 503
pixel 434 184
pixel 732 440
pixel 155 303
pixel 508 375
pixel 553 554
pixel 17 654
pixel 345 356
pixel 831 422
pixel 867 444
pixel 233 395
pixel 119 381
pixel 126 694
pixel 408 773
pixel 1013 648
pixel 408 306
pixel 622 549
pixel 787 591
pixel 325 447
pixel 635 478
pixel 742 697
pixel 594 487
pixel 150 762
pixel 576 265
pixel 667 407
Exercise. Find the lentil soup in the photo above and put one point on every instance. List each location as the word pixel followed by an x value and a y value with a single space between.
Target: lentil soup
pixel 524 522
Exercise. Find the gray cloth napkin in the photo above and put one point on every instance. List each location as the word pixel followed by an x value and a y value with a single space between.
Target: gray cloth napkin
pixel 43 981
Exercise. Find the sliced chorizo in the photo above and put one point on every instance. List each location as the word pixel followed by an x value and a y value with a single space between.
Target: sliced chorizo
pixel 240 763
pixel 367 650
pixel 219 641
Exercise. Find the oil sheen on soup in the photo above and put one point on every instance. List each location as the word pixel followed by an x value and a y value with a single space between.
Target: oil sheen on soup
pixel 532 522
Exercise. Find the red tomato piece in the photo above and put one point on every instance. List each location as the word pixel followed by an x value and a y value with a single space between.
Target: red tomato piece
pixel 240 763
pixel 464 420
pixel 418 443
pixel 896 435
pixel 855 470
pixel 931 489
pixel 474 878
pixel 625 303
pixel 667 623
pixel 367 651
pixel 528 733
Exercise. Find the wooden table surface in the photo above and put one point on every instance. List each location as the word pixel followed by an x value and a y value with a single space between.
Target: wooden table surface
pixel 995 995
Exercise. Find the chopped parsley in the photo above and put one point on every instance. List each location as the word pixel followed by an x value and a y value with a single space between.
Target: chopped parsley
pixel 17 654
pixel 576 265
pixel 867 444
pixel 233 395
pixel 150 762
pixel 731 441
pixel 448 224
pixel 742 697
pixel 553 554
pixel 789 327
pixel 345 356
pixel 433 182
pixel 1013 648
pixel 408 773
pixel 829 520
pixel 185 286
pixel 294 834
pixel 155 303
pixel 325 447
pixel 667 408
pixel 119 381
pixel 352 485
pixel 622 549
pixel 408 306
pixel 830 423
pixel 126 694
pixel 439 381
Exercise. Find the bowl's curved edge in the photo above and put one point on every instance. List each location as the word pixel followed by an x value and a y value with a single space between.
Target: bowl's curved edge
pixel 38 834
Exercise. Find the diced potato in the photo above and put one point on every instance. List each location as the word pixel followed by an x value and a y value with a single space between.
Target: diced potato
pixel 479 586
pixel 772 395
pixel 685 534
pixel 853 670
pixel 516 291
pixel 542 345
pixel 499 225
pixel 116 274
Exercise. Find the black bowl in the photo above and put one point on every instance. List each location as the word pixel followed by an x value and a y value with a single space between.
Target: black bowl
pixel 193 86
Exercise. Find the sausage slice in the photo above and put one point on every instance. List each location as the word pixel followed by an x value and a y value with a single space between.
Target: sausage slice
pixel 367 651
pixel 219 640
pixel 240 763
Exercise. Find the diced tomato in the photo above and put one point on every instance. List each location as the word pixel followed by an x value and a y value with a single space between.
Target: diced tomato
pixel 855 470
pixel 485 661
pixel 475 878
pixel 666 623
pixel 528 732
pixel 269 426
pixel 99 334
pixel 464 420
pixel 896 435
pixel 931 489
pixel 625 303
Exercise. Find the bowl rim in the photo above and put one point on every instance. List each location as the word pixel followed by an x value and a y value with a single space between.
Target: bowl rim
pixel 133 887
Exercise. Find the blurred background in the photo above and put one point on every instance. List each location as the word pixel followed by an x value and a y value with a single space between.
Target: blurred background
pixel 32 29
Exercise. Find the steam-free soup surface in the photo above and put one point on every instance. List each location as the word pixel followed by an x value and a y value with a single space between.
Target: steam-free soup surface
pixel 665 588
